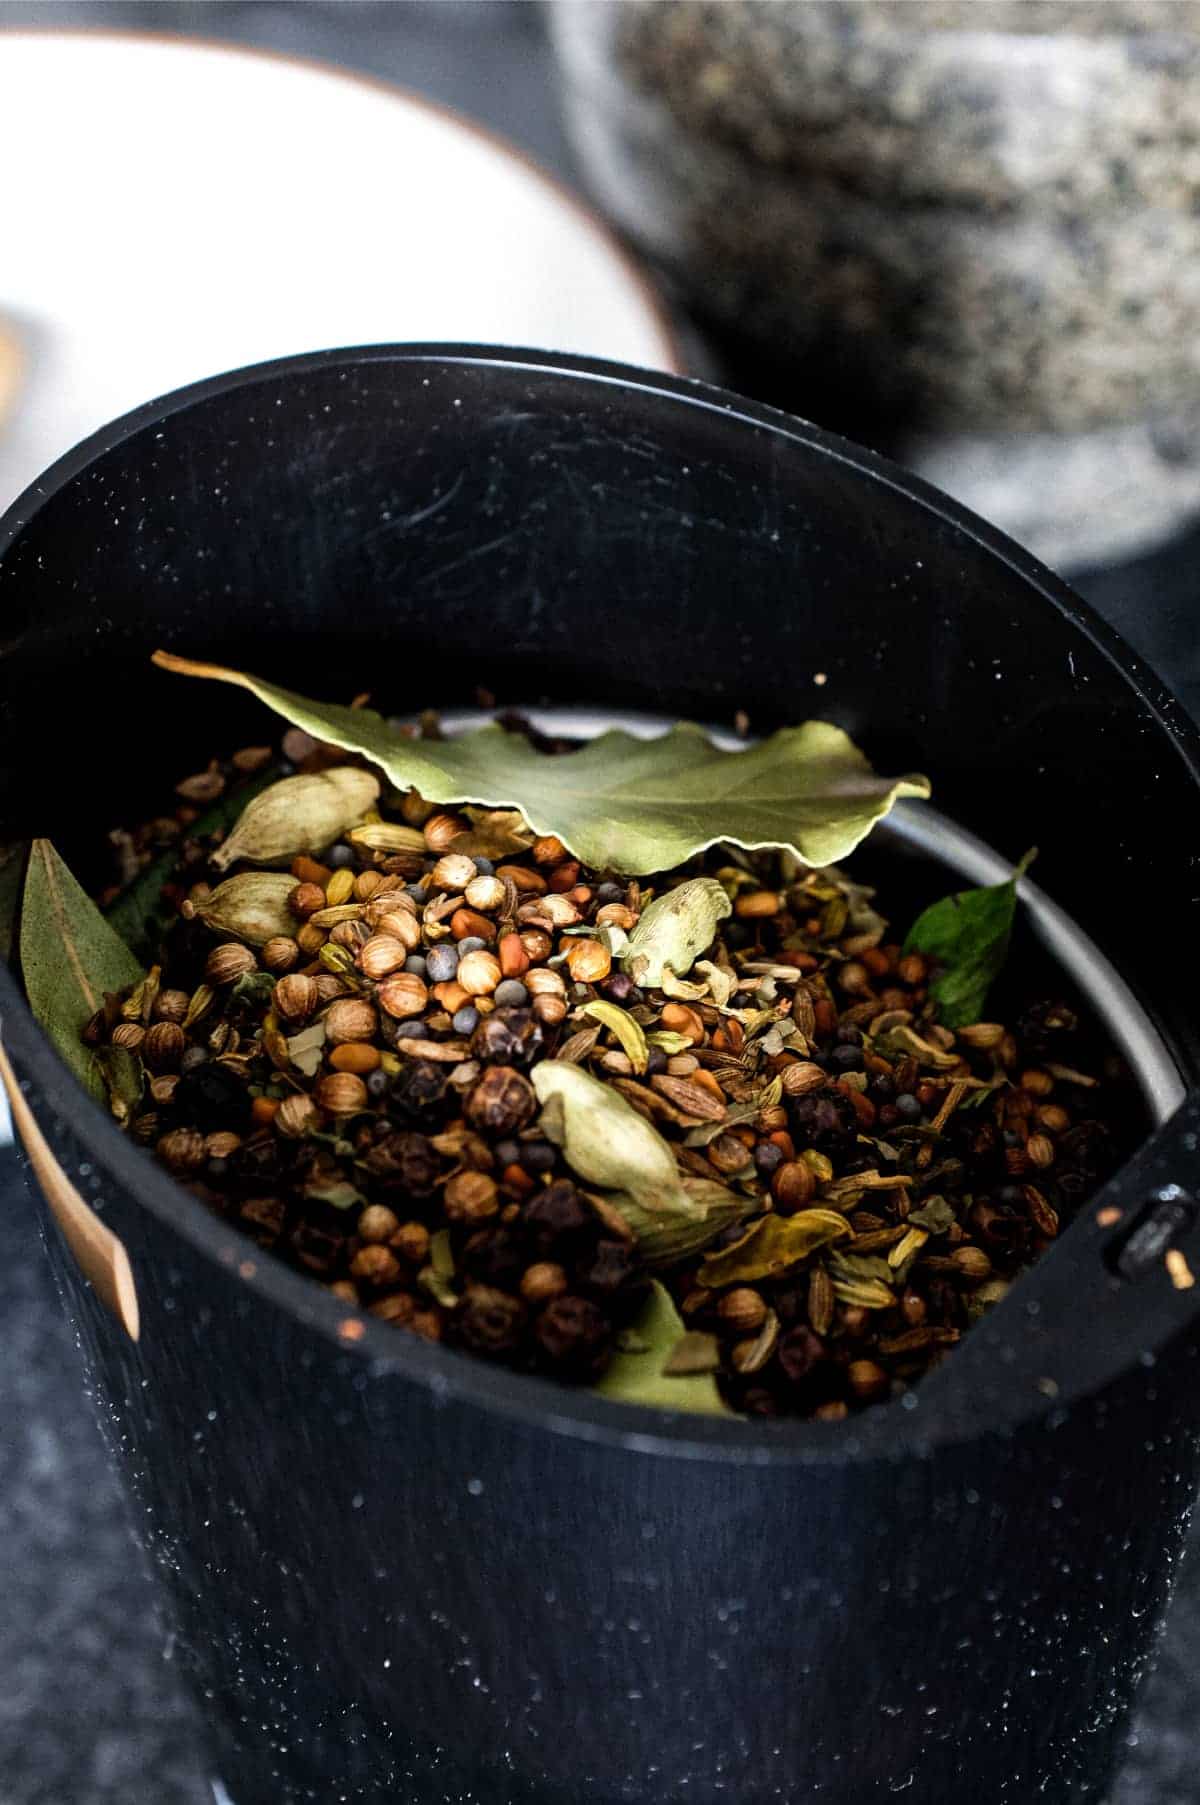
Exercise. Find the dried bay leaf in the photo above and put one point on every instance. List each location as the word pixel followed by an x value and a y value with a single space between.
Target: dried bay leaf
pixel 637 1377
pixel 771 1246
pixel 627 1030
pixel 935 1215
pixel 70 959
pixel 696 1351
pixel 607 1143
pixel 621 803
pixel 968 935
pixel 673 931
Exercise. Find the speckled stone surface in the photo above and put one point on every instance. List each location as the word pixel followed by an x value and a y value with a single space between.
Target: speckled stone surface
pixel 971 221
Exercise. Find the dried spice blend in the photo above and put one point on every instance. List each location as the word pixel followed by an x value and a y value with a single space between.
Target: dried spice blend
pixel 626 1103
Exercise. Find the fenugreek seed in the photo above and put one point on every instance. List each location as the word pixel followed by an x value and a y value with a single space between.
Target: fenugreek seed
pixel 588 961
pixel 402 995
pixel 382 954
pixel 479 973
pixel 356 1056
pixel 742 1310
pixel 677 1018
pixel 801 1077
pixel 1040 1149
pixel 229 962
pixel 341 1093
pixel 305 900
pixel 128 1035
pixel 470 924
pixel 441 829
pixel 162 1046
pixel 296 1117
pixel 377 1223
pixel 279 954
pixel 401 925
pixel 470 1197
pixel 295 996
pixel 350 1018
pixel 340 888
pixel 182 1150
pixel 754 905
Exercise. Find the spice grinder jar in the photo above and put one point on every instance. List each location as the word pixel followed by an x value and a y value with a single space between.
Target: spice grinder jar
pixel 396 1572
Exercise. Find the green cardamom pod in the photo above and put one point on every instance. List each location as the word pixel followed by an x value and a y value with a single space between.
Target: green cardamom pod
pixel 252 906
pixel 674 930
pixel 607 1143
pixel 298 814
pixel 667 1240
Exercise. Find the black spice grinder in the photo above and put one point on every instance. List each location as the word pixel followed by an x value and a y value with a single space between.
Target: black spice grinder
pixel 396 1573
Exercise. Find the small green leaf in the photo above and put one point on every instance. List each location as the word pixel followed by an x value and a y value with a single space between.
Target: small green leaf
pixel 333 1189
pixel 638 1378
pixel 673 931
pixel 967 934
pixel 935 1214
pixel 628 1032
pixel 771 1246
pixel 70 959
pixel 621 803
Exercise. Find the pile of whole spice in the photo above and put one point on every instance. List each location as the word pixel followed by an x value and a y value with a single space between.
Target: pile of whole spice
pixel 701 1138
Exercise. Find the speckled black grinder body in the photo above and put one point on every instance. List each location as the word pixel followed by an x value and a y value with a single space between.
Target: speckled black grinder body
pixel 400 1575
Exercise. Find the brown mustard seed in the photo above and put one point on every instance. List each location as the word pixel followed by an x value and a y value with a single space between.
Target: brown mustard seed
pixel 341 1093
pixel 402 995
pixel 162 1046
pixel 470 1197
pixel 350 1018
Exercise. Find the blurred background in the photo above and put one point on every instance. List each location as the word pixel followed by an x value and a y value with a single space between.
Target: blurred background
pixel 965 232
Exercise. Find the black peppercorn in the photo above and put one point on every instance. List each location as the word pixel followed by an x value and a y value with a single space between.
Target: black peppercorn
pixel 574 1337
pixel 405 1162
pixel 500 1102
pixel 417 1088
pixel 491 1322
pixel 556 1212
pixel 211 1097
pixel 610 1267
pixel 799 1352
pixel 495 1256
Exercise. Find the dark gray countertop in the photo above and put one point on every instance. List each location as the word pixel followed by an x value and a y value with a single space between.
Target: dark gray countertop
pixel 90 1709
